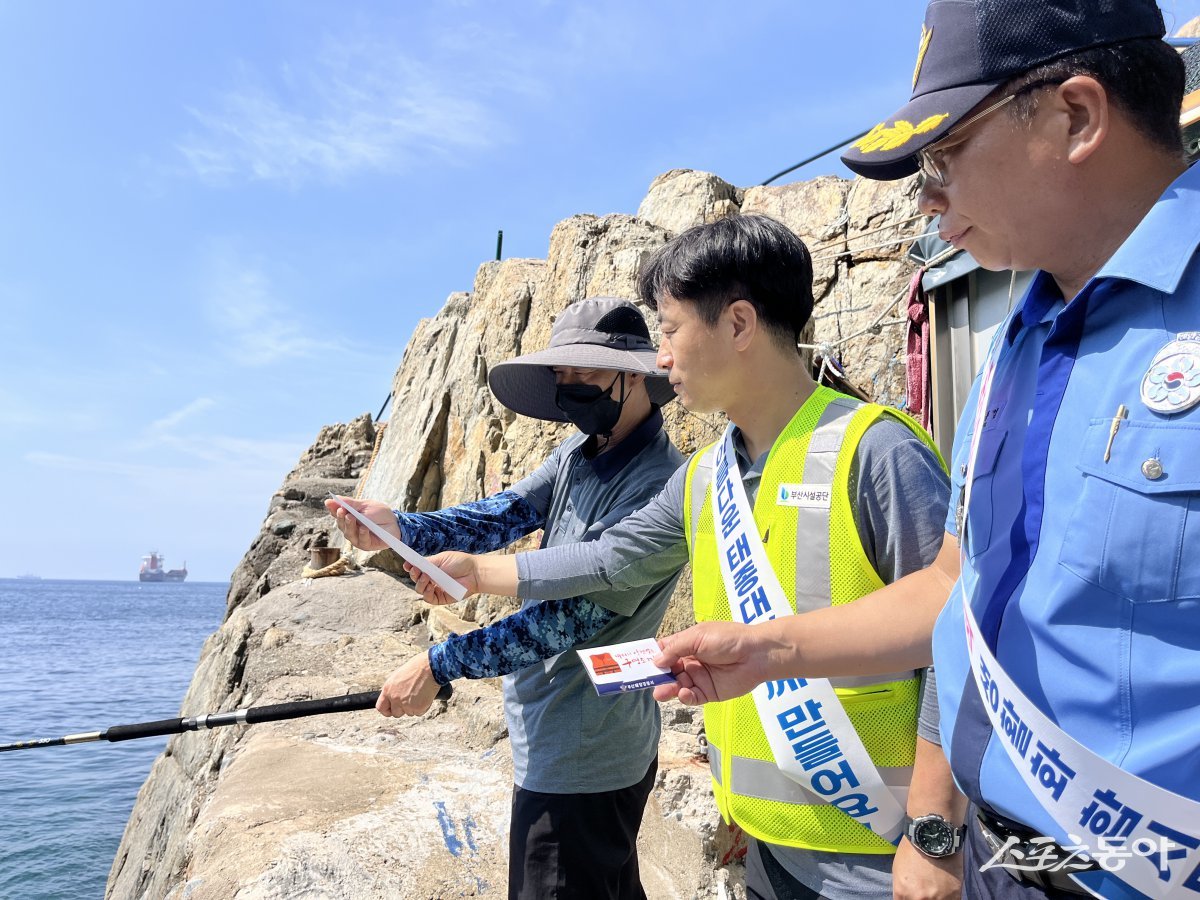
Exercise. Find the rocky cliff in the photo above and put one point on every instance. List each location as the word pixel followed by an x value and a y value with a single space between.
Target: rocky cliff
pixel 357 806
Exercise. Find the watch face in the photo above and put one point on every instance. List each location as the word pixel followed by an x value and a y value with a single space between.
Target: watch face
pixel 934 837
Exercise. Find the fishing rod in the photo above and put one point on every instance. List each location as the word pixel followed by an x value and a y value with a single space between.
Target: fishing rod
pixel 249 716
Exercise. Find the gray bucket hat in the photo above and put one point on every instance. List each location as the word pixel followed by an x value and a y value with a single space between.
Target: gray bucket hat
pixel 597 333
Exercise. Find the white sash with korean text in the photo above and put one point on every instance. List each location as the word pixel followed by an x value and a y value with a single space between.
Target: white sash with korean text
pixel 811 737
pixel 1143 835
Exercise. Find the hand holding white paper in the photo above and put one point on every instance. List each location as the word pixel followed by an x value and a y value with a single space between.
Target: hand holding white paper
pixel 407 553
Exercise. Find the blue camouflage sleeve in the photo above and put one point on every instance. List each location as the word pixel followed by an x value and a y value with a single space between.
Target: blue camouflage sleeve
pixel 520 640
pixel 480 526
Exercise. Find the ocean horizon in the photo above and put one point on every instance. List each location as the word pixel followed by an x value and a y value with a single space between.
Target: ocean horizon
pixel 80 656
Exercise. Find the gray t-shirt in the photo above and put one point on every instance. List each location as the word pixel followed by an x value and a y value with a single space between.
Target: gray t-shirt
pixel 899 507
pixel 565 739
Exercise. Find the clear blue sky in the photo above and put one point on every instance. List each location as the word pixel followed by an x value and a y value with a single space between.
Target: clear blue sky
pixel 220 221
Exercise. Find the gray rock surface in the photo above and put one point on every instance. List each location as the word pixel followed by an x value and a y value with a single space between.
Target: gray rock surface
pixel 357 806
pixel 681 198
pixel 296 519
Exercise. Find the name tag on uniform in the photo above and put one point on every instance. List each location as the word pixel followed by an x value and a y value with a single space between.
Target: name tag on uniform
pixel 806 496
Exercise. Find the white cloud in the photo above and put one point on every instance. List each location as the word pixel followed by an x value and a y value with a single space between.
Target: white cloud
pixel 216 453
pixel 241 452
pixel 168 422
pixel 259 329
pixel 62 462
pixel 204 512
pixel 362 105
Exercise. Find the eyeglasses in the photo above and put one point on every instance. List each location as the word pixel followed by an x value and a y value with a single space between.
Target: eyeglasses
pixel 932 160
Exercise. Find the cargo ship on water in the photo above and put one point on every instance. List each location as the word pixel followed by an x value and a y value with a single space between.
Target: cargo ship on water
pixel 152 569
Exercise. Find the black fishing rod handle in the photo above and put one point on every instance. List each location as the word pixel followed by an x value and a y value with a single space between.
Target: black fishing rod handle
pixel 144 730
pixel 301 708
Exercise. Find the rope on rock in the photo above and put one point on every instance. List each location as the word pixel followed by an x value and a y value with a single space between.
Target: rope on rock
pixel 339 566
pixel 848 252
pixel 835 244
pixel 344 563
pixel 380 427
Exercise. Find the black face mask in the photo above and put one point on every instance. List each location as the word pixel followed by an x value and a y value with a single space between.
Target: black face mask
pixel 590 408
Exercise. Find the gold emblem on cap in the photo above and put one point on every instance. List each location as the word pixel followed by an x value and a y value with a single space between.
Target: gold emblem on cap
pixel 889 137
pixel 926 34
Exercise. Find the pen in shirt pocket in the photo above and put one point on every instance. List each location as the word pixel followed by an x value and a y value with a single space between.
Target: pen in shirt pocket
pixel 1122 414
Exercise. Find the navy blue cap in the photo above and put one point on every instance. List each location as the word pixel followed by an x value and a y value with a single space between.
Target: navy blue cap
pixel 970 47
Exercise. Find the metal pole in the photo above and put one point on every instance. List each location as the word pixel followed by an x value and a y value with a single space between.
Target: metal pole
pixel 499 244
pixel 386 401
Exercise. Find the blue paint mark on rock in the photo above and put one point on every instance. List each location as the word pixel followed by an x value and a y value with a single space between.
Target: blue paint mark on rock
pixel 469 833
pixel 449 835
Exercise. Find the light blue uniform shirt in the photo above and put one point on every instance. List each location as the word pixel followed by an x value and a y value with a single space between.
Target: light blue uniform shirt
pixel 1086 573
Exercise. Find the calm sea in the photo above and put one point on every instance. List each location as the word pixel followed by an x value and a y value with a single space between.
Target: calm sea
pixel 80 656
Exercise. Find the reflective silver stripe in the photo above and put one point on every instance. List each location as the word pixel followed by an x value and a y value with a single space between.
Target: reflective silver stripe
pixel 813 574
pixel 851 681
pixel 762 780
pixel 714 761
pixel 701 479
pixel 812 524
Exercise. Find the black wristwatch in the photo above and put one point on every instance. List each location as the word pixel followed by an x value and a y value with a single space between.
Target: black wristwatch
pixel 934 836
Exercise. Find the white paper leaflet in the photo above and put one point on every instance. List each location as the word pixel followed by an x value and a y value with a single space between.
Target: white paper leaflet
pixel 407 553
pixel 618 668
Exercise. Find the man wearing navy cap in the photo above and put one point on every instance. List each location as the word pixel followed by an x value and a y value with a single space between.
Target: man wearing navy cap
pixel 1068 653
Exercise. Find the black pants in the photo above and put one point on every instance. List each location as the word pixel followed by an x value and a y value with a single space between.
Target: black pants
pixel 577 845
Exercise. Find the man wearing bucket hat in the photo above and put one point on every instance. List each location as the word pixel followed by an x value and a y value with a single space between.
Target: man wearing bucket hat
pixel 583 765
pixel 1068 653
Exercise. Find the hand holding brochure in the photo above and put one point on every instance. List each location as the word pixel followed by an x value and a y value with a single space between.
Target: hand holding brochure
pixel 624 667
pixel 407 553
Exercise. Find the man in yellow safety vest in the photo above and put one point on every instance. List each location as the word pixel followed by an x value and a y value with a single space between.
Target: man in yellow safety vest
pixel 811 499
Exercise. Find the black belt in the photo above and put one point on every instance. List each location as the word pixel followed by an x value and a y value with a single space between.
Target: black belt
pixel 1032 858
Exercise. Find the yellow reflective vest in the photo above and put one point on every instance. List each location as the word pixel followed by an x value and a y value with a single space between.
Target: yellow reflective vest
pixel 819 559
